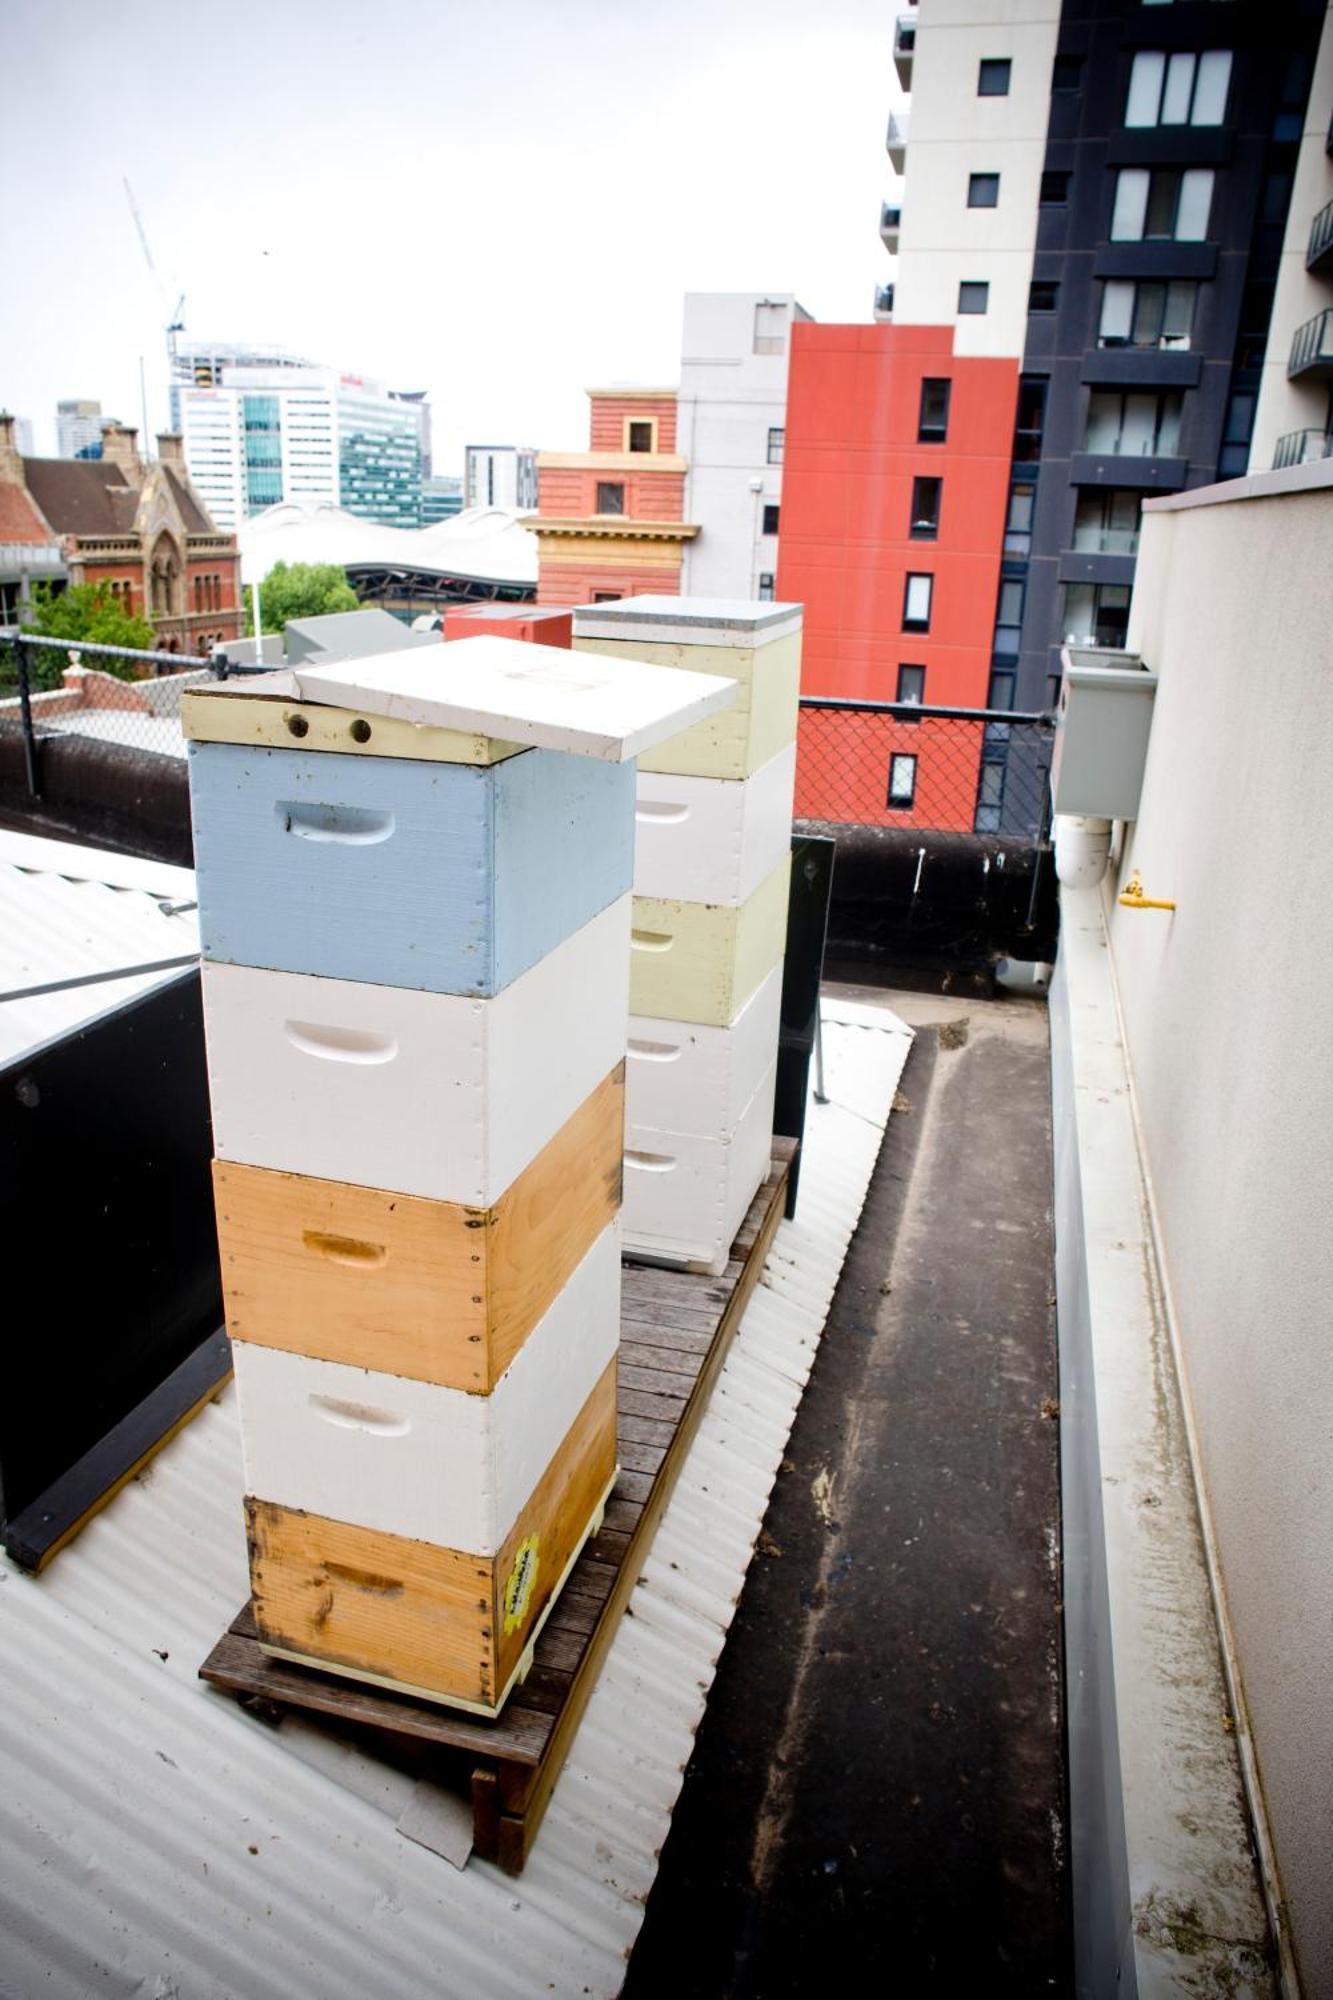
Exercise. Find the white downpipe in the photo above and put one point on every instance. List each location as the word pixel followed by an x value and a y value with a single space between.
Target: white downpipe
pixel 1082 850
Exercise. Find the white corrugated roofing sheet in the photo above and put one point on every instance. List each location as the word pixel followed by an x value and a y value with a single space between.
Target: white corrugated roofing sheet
pixel 66 911
pixel 159 1841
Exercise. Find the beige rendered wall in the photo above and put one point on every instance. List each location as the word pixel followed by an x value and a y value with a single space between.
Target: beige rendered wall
pixel 953 133
pixel 1228 1019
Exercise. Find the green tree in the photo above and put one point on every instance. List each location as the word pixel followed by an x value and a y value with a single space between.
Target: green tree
pixel 85 614
pixel 300 590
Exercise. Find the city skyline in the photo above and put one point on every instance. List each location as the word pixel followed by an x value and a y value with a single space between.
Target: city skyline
pixel 516 217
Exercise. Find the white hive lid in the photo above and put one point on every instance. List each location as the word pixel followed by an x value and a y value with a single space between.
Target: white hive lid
pixel 545 696
pixel 696 621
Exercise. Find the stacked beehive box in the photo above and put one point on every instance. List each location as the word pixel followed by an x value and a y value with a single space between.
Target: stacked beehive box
pixel 415 937
pixel 712 861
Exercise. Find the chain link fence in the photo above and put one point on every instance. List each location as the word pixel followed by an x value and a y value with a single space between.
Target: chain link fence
pixel 917 769
pixel 103 694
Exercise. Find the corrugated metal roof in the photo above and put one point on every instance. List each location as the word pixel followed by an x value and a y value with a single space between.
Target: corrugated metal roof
pixel 160 1841
pixel 67 910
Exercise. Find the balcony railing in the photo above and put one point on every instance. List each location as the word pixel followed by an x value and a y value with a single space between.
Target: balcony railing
pixel 884 302
pixel 890 222
pixel 1301 447
pixel 1318 252
pixel 896 142
pixel 1312 346
pixel 904 47
pixel 1091 539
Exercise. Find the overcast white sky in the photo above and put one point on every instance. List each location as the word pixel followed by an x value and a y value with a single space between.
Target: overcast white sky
pixel 502 203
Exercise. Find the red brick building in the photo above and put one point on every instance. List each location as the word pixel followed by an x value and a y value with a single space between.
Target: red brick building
pixel 610 520
pixel 895 489
pixel 140 529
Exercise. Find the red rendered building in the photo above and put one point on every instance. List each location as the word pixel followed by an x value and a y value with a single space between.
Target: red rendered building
pixel 895 488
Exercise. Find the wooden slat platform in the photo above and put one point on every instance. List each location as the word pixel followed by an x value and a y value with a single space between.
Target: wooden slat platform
pixel 676 1327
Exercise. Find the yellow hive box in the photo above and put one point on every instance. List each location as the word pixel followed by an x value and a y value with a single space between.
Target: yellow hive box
pixel 702 961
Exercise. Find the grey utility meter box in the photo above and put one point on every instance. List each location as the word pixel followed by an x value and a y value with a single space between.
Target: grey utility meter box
pixel 1105 714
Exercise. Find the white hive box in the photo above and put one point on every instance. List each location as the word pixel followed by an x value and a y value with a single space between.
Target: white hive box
pixel 710 840
pixel 436 1094
pixel 681 1076
pixel 686 1193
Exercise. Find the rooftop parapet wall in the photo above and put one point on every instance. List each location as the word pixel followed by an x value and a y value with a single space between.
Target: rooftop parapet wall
pixel 1220 1001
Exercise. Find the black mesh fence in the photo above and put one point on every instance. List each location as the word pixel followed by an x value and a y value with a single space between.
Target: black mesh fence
pixel 902 765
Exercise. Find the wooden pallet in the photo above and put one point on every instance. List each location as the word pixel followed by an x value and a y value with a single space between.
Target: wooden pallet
pixel 676 1328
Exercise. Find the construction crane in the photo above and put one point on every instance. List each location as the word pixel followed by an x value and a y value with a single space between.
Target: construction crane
pixel 176 323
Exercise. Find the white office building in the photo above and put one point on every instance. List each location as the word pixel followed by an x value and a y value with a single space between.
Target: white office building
pixel 500 475
pixel 731 418
pixel 258 433
pixel 78 425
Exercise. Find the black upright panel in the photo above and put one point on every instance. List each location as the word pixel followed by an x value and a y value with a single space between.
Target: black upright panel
pixel 807 925
pixel 105 1144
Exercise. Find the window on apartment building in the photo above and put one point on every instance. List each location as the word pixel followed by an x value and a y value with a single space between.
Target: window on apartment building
pixel 777 440
pixel 1234 457
pixel 933 419
pixel 607 596
pixel 1163 204
pixel 1096 614
pixel 610 497
pixel 983 190
pixel 1000 693
pixel 1043 295
pixel 1067 73
pixel 1029 419
pixel 1179 89
pixel 990 794
pixel 993 76
pixel 1054 189
pixel 973 295
pixel 1136 424
pixel 771 512
pixel 1008 618
pixel 1107 523
pixel 1289 121
pixel 925 522
pixel 770 328
pixel 766 581
pixel 1018 521
pixel 639 434
pixel 902 781
pixel 916 601
pixel 911 688
pixel 1147 312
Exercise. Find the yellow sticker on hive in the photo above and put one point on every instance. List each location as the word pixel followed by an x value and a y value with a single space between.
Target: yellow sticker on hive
pixel 522 1582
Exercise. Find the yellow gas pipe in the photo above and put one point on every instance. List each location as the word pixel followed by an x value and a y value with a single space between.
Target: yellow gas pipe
pixel 1133 897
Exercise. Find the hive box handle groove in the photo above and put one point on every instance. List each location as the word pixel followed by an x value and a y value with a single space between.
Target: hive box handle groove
pixel 651 1163
pixel 355 1045
pixel 665 815
pixel 360 1417
pixel 347 1250
pixel 653 1051
pixel 651 940
pixel 349 826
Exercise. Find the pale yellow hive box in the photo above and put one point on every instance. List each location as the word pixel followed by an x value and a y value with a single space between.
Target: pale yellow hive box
pixel 758 645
